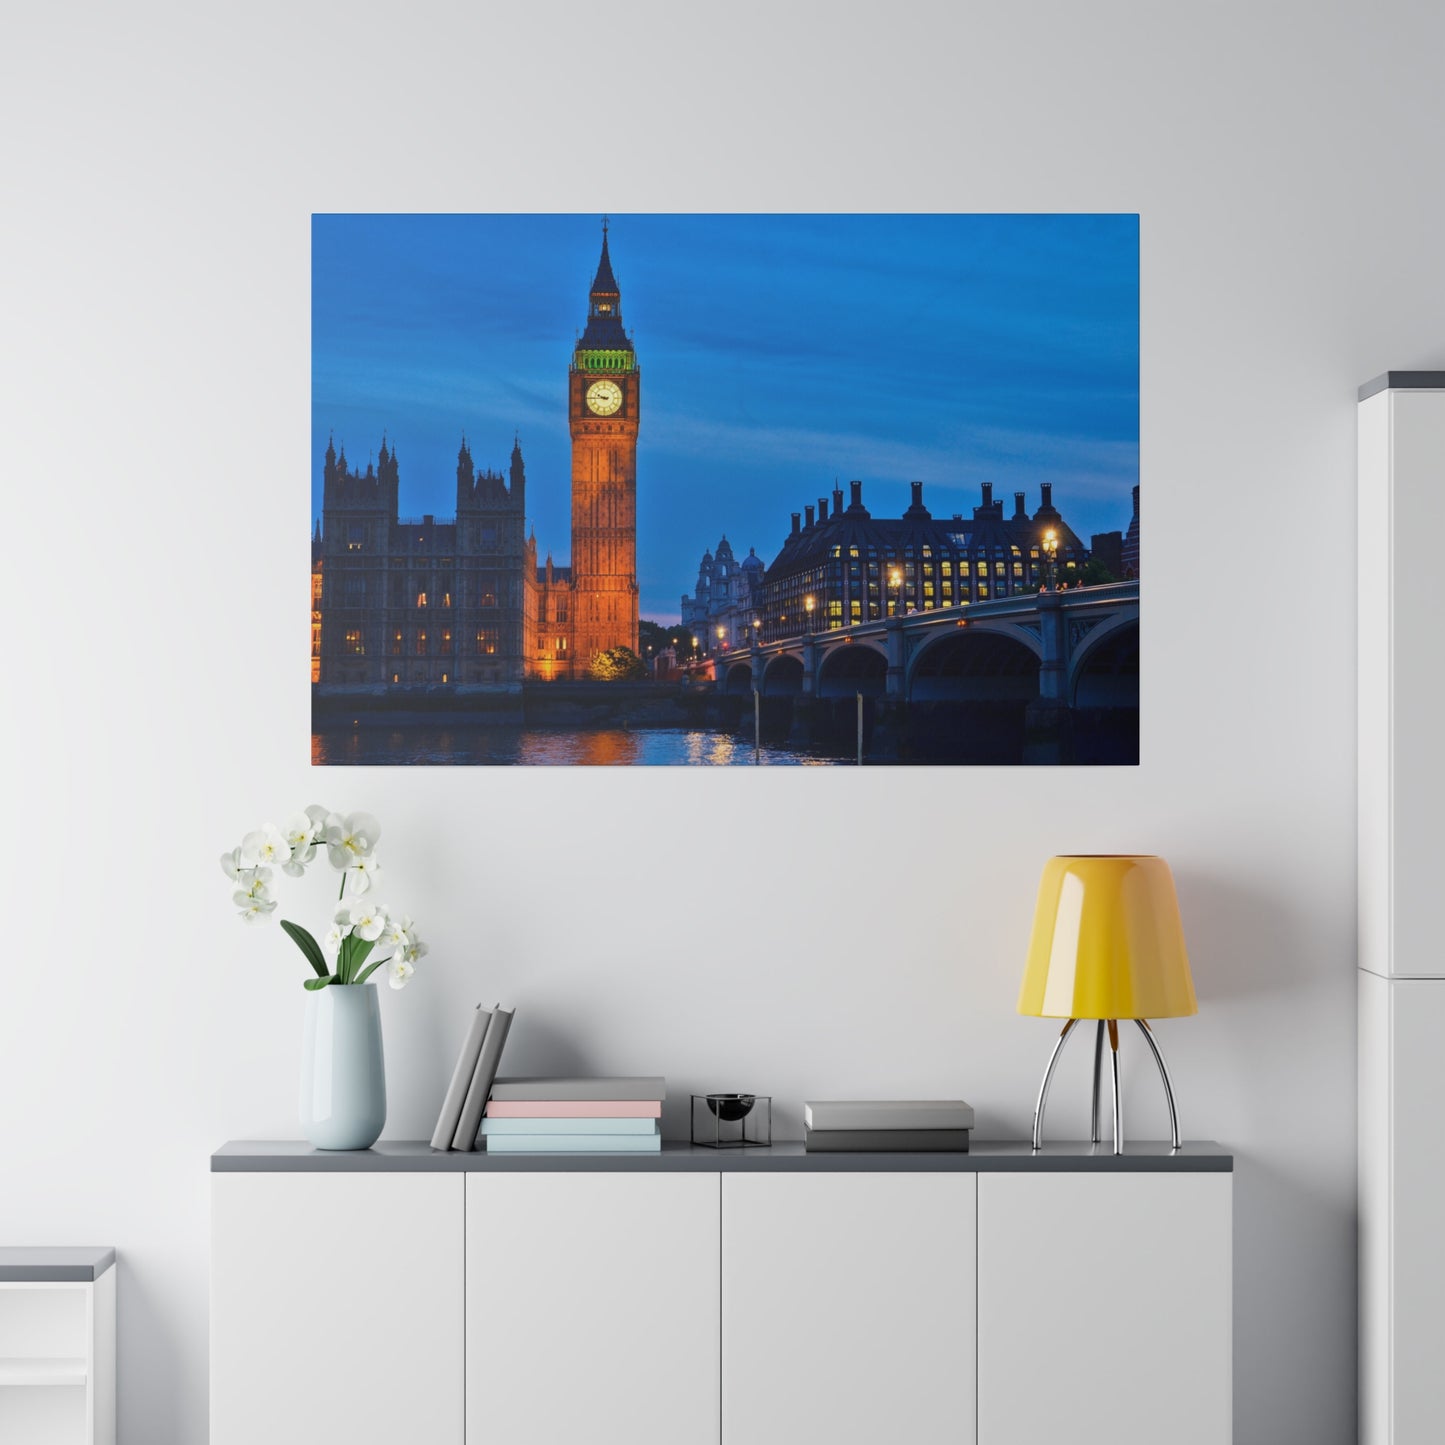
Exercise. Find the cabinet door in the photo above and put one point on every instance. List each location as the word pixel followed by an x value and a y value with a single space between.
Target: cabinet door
pixel 1104 1309
pixel 336 1308
pixel 592 1309
pixel 848 1308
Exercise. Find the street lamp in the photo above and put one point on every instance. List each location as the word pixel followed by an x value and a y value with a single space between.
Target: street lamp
pixel 757 632
pixel 895 581
pixel 722 632
pixel 1050 544
pixel 809 603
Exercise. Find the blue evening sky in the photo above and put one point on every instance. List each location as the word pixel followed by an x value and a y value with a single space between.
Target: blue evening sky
pixel 779 355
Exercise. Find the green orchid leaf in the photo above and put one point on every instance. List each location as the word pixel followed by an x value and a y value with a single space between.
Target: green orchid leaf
pixel 314 983
pixel 308 946
pixel 371 969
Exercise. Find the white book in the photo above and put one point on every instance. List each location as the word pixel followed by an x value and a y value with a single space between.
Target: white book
pixel 451 1112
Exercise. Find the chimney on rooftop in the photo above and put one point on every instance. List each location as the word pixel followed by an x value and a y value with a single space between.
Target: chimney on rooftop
pixel 808 512
pixel 796 520
pixel 822 509
pixel 988 494
pixel 856 488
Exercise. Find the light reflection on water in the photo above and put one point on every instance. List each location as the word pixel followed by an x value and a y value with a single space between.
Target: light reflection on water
pixel 666 747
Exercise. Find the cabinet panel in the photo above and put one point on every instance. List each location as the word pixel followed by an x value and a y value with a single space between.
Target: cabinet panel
pixel 848 1308
pixel 1417 778
pixel 592 1309
pixel 336 1308
pixel 1417 1185
pixel 1104 1309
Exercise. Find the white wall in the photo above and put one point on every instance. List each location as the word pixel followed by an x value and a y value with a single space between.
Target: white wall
pixel 806 933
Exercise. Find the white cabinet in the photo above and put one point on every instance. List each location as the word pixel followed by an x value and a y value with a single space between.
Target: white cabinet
pixel 1401 953
pixel 336 1308
pixel 57 1359
pixel 1104 1308
pixel 848 1308
pixel 1402 1184
pixel 1401 773
pixel 592 1309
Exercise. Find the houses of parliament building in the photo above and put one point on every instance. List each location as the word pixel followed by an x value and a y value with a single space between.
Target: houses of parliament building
pixel 462 602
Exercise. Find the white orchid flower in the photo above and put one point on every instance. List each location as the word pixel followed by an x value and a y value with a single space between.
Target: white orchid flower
pixel 267 845
pixel 350 838
pixel 413 950
pixel 232 866
pixel 255 906
pixel 318 817
pixel 368 921
pixel 398 932
pixel 363 875
pixel 334 936
pixel 398 971
pixel 299 831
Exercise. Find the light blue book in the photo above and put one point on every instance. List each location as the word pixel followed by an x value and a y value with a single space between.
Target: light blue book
pixel 574 1144
pixel 494 1127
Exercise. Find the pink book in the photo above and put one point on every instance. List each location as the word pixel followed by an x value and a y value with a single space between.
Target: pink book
pixel 575 1109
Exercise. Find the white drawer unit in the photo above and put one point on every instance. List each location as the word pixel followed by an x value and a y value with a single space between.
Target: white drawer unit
pixel 1401 960
pixel 336 1309
pixel 57 1346
pixel 848 1308
pixel 699 1297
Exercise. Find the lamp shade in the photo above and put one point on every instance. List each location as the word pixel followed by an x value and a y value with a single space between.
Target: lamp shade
pixel 1107 942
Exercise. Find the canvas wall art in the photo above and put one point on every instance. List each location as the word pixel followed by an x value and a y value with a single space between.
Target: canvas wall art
pixel 824 490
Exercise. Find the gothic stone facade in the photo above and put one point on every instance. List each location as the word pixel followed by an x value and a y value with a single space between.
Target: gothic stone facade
pixel 462 603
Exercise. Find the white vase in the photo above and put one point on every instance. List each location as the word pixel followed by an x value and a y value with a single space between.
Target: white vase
pixel 343 1077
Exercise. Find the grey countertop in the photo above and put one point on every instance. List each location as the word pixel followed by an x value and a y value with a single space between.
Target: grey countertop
pixel 48 1264
pixel 284 1156
pixel 1404 381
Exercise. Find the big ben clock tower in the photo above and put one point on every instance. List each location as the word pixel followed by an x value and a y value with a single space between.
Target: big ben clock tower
pixel 603 402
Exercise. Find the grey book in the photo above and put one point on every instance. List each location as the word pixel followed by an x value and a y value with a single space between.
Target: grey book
pixel 451 1113
pixel 482 1077
pixel 536 1091
pixel 886 1141
pixel 889 1114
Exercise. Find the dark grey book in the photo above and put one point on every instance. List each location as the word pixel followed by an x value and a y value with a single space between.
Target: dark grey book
pixel 451 1113
pixel 482 1077
pixel 886 1141
pixel 536 1091
pixel 888 1114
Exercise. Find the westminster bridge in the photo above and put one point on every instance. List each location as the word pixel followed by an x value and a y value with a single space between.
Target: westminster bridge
pixel 1045 677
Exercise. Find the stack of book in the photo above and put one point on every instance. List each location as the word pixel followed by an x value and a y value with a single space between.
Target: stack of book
pixel 461 1114
pixel 575 1116
pixel 912 1126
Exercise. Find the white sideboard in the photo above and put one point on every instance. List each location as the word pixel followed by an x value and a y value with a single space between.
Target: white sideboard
pixel 57 1346
pixel 698 1297
pixel 1401 443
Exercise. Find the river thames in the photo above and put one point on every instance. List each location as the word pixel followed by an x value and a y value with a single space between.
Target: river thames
pixel 547 747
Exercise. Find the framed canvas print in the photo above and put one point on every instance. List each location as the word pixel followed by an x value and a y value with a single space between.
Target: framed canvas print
pixel 730 489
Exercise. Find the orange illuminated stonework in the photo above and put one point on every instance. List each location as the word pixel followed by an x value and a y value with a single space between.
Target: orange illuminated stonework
pixel 604 395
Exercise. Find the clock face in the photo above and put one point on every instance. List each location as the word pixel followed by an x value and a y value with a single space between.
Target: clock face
pixel 604 397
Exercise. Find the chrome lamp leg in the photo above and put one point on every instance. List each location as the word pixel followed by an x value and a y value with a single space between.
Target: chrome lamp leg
pixel 1044 1087
pixel 1094 1135
pixel 1164 1075
pixel 1118 1097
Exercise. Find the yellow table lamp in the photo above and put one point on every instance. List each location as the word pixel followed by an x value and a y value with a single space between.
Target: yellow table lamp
pixel 1107 945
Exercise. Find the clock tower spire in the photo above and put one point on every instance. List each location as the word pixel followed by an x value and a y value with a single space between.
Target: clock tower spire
pixel 603 408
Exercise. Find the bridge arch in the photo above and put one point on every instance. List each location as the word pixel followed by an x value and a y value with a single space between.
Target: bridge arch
pixel 852 668
pixel 974 664
pixel 783 676
pixel 1104 670
pixel 738 680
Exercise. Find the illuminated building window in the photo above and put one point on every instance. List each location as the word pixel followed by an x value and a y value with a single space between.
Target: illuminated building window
pixel 998 569
pixel 396 677
pixel 1015 551
pixel 1018 569
pixel 354 644
pixel 964 570
pixel 856 608
pixel 446 599
pixel 446 677
pixel 395 646
pixel 421 642
pixel 946 568
pixel 983 591
pixel 355 536
pixel 487 641
pixel 421 599
pixel 446 640
pixel 489 599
